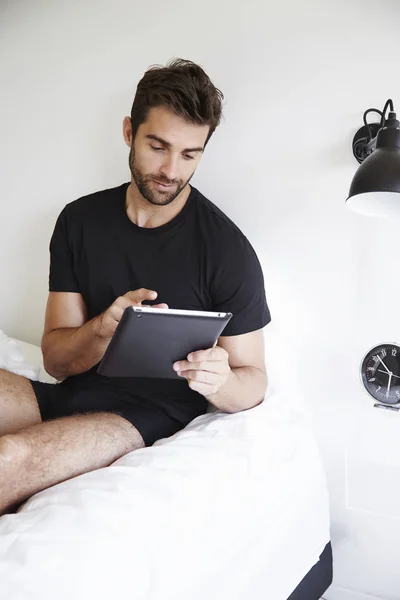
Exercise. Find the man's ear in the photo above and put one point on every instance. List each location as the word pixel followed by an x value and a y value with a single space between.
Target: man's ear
pixel 127 131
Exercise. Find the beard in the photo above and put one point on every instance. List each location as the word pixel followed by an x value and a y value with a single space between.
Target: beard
pixel 145 184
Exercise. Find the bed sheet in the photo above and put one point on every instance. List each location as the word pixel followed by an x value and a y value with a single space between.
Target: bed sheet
pixel 234 504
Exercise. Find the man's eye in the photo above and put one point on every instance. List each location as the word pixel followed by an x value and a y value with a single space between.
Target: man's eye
pixel 188 157
pixel 156 148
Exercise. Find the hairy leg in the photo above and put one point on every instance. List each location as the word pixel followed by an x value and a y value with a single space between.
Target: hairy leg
pixel 18 404
pixel 40 456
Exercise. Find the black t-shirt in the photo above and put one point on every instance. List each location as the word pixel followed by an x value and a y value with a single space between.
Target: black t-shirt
pixel 199 260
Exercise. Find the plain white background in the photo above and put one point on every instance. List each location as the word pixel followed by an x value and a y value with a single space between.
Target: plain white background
pixel 297 77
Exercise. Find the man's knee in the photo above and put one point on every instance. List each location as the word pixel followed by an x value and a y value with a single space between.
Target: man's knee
pixel 13 449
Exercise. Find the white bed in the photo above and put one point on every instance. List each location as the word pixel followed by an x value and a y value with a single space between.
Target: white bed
pixel 232 507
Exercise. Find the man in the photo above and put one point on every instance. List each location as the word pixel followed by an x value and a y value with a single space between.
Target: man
pixel 156 240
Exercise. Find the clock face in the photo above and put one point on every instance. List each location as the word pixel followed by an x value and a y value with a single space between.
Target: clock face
pixel 380 373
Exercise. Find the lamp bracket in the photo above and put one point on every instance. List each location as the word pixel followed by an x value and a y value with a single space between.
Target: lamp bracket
pixel 362 139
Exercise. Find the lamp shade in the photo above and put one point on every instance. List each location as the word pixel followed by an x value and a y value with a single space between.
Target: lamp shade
pixel 375 189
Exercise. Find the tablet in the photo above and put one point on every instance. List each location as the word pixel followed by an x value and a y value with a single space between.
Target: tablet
pixel 148 340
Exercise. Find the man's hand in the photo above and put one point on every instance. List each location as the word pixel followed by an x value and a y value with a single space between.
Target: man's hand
pixel 205 370
pixel 105 324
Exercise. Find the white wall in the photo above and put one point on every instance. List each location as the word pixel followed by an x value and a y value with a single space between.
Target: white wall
pixel 297 77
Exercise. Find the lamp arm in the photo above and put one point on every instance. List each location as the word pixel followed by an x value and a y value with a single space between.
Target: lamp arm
pixel 370 147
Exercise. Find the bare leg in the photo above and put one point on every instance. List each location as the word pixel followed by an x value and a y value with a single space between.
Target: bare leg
pixel 18 404
pixel 45 454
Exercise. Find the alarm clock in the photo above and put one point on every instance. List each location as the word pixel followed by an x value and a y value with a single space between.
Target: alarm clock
pixel 380 373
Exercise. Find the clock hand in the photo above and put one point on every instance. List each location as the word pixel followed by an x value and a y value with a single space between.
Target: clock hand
pixel 388 387
pixel 381 371
pixel 379 358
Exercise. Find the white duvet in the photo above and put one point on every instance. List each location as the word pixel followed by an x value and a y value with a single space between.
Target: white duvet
pixel 178 520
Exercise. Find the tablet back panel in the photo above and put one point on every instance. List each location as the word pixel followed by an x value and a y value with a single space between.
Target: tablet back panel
pixel 147 345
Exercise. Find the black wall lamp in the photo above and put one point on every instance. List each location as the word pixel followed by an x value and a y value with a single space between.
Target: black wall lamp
pixel 375 189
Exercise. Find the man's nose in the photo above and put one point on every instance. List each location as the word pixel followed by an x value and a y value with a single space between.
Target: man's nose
pixel 169 168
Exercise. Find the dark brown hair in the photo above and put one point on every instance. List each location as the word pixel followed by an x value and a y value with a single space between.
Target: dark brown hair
pixel 181 86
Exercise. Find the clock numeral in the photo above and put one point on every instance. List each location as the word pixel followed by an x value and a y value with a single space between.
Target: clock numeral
pixel 377 389
pixel 373 379
pixel 394 351
pixel 370 369
pixel 398 393
pixel 375 359
pixel 383 352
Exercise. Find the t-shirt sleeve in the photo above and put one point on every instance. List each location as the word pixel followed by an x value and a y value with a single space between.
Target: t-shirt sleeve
pixel 238 288
pixel 62 277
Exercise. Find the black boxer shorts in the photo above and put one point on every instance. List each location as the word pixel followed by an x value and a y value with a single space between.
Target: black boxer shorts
pixel 59 400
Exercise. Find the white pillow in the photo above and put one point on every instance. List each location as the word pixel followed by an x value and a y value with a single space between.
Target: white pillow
pixel 22 358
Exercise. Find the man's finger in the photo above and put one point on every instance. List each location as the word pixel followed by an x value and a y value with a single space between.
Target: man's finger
pixel 212 366
pixel 216 353
pixel 201 376
pixel 200 355
pixel 138 296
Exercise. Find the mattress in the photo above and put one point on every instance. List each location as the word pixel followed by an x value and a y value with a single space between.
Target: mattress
pixel 288 528
pixel 234 506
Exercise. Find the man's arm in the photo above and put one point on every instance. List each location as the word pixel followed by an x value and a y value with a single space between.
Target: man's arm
pixel 73 345
pixel 70 345
pixel 232 375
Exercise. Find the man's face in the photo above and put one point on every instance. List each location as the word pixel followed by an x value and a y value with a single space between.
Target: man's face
pixel 164 155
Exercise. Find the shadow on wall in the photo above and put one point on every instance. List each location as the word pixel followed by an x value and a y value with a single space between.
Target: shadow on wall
pixel 28 295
